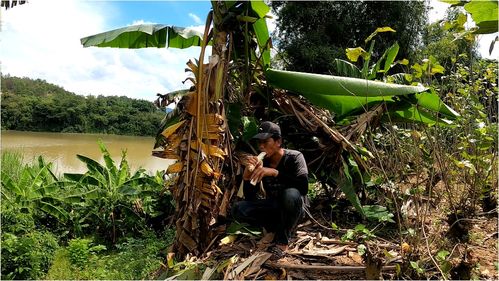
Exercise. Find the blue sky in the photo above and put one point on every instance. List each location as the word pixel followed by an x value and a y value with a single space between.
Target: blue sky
pixel 41 39
pixel 170 12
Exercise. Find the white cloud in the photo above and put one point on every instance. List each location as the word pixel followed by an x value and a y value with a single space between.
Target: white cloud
pixel 196 19
pixel 41 39
pixel 137 22
pixel 437 10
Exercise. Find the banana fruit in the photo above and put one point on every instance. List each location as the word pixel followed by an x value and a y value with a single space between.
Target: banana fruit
pixel 251 168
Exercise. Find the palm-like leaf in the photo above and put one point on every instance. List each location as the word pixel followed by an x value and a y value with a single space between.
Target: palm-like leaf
pixel 144 36
pixel 345 95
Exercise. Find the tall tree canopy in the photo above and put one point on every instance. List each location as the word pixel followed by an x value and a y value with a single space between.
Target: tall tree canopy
pixel 314 33
pixel 439 40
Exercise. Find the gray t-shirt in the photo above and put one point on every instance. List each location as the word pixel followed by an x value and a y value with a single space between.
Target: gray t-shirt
pixel 293 173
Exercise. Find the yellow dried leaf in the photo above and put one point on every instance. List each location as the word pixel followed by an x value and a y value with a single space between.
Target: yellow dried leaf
pixel 219 191
pixel 217 175
pixel 406 248
pixel 192 104
pixel 175 168
pixel 215 129
pixel 227 239
pixel 166 154
pixel 206 188
pixel 172 129
pixel 211 136
pixel 214 119
pixel 209 149
pixel 206 168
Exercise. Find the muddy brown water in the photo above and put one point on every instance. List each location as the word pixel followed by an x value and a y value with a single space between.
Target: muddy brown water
pixel 62 148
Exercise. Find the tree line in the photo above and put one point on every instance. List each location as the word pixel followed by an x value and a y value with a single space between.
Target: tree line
pixel 36 105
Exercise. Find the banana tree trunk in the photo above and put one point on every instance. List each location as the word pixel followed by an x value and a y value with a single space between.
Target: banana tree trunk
pixel 197 195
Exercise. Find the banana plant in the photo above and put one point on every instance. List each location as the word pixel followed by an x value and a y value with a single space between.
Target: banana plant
pixel 112 195
pixel 238 85
pixel 37 189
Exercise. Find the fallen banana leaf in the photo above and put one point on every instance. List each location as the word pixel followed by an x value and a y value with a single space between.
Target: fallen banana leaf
pixel 172 129
pixel 175 168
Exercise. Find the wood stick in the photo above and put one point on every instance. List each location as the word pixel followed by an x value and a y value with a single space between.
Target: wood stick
pixel 324 267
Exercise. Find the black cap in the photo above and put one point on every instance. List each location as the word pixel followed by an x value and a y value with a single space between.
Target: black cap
pixel 266 130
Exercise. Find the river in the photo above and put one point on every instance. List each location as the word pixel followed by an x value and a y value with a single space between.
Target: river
pixel 61 149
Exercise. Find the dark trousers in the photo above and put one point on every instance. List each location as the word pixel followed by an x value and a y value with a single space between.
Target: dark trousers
pixel 279 215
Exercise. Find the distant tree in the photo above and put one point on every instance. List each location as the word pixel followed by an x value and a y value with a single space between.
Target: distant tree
pixel 439 40
pixel 35 105
pixel 311 34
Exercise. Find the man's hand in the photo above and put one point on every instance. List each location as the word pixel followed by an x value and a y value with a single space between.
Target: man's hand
pixel 252 162
pixel 261 172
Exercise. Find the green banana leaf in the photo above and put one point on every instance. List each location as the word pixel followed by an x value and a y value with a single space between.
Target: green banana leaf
pixel 484 14
pixel 260 8
pixel 345 182
pixel 408 113
pixel 144 36
pixel 262 36
pixel 345 96
pixel 347 69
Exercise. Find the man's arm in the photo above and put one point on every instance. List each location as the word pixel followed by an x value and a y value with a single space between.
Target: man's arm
pixel 301 172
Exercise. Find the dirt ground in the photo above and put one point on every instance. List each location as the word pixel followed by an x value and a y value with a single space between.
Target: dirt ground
pixel 318 253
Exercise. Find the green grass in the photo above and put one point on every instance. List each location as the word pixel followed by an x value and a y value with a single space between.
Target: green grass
pixel 133 259
pixel 61 267
pixel 12 163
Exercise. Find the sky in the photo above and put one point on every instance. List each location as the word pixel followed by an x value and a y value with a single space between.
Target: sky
pixel 41 39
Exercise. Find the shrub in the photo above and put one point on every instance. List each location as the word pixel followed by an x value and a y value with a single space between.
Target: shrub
pixel 80 251
pixel 28 256
pixel 15 222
